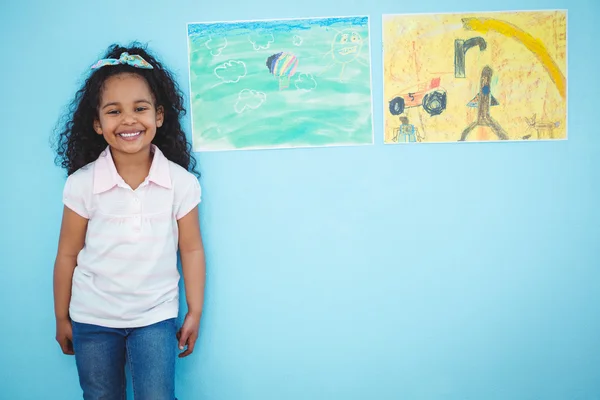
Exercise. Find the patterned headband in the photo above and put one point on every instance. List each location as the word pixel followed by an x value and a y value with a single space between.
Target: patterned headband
pixel 125 59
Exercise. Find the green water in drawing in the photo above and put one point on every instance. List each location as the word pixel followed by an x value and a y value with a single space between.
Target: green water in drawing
pixel 245 94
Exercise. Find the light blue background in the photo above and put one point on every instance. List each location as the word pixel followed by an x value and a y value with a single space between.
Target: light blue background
pixel 454 271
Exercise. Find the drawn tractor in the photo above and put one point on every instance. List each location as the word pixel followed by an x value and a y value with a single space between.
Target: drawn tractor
pixel 429 95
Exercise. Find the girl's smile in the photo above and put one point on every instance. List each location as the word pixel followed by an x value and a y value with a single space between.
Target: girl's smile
pixel 130 136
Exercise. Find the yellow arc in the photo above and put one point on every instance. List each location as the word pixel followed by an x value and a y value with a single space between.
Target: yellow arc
pixel 534 45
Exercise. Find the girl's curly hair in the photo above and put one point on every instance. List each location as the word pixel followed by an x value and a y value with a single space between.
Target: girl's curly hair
pixel 78 144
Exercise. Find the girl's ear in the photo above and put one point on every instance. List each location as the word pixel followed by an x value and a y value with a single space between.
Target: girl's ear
pixel 97 127
pixel 160 116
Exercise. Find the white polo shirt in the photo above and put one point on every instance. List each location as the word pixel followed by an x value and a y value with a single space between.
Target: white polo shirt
pixel 126 274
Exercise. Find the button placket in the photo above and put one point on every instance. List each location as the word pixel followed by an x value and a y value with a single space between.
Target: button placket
pixel 138 212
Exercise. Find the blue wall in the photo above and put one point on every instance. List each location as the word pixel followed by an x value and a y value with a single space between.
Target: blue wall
pixel 380 272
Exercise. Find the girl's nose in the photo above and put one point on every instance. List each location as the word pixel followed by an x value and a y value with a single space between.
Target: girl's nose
pixel 129 118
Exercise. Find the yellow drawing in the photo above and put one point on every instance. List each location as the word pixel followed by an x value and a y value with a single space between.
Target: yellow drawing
pixel 476 77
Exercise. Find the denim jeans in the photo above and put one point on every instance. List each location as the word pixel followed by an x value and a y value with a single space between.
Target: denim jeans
pixel 150 351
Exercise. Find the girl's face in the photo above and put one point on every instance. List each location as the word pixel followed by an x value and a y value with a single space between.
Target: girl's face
pixel 127 114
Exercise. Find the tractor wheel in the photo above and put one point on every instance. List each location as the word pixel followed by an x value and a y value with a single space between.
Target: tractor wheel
pixel 434 102
pixel 397 106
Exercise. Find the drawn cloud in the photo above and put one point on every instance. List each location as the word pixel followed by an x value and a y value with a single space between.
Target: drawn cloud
pixel 305 82
pixel 248 98
pixel 261 41
pixel 216 46
pixel 212 133
pixel 297 40
pixel 231 71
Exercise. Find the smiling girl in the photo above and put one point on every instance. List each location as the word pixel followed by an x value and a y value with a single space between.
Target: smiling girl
pixel 130 204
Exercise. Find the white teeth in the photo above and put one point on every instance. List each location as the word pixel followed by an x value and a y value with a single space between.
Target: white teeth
pixel 129 134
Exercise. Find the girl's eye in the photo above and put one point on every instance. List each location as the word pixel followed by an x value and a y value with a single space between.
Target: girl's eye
pixel 141 109
pixel 113 112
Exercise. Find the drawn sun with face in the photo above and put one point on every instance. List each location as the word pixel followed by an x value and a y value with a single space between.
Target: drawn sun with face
pixel 346 45
pixel 346 48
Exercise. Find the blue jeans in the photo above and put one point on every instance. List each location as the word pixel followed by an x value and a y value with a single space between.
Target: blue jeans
pixel 150 351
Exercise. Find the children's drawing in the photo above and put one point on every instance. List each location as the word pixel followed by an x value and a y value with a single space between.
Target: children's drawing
pixel 497 76
pixel 280 83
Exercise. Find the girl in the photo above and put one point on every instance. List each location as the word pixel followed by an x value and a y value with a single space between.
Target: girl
pixel 130 202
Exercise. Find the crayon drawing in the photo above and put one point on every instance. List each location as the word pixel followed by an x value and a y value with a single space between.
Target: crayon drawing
pixel 280 84
pixel 480 77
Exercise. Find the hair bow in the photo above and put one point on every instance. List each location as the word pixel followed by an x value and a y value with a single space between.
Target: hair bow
pixel 125 59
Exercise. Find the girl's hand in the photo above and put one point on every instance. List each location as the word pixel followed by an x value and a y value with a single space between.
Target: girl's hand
pixel 64 336
pixel 188 334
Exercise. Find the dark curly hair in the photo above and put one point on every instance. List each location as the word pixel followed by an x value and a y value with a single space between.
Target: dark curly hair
pixel 77 144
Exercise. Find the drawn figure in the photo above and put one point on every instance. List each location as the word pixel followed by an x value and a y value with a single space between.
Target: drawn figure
pixel 429 95
pixel 483 101
pixel 345 48
pixel 407 133
pixel 542 129
pixel 283 66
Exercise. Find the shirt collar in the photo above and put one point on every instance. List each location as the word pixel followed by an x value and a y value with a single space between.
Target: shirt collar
pixel 106 176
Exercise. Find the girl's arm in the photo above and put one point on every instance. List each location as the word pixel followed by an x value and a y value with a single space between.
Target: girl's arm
pixel 193 264
pixel 71 241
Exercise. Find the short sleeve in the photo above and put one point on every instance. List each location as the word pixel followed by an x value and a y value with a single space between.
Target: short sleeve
pixel 74 198
pixel 191 198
